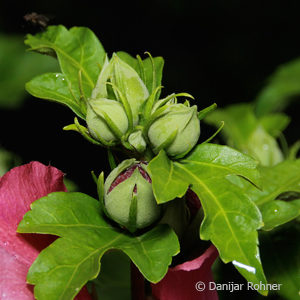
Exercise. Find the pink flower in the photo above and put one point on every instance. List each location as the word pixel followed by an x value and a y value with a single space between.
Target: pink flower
pixel 182 282
pixel 18 189
pixel 189 280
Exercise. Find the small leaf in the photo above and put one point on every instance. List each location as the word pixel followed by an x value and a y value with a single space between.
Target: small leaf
pixel 63 268
pixel 231 218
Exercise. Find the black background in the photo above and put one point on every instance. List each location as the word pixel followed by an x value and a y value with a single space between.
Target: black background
pixel 219 51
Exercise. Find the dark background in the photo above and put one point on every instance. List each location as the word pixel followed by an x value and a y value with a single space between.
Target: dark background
pixel 219 51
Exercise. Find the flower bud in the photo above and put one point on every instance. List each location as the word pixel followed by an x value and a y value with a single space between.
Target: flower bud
pixel 128 196
pixel 102 115
pixel 137 141
pixel 129 83
pixel 176 130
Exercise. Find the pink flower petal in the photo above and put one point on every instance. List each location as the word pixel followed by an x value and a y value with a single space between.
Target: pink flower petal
pixel 23 185
pixel 180 282
pixel 18 189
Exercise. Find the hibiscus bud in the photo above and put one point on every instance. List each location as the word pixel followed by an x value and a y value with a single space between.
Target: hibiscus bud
pixel 176 130
pixel 106 119
pixel 137 141
pixel 128 196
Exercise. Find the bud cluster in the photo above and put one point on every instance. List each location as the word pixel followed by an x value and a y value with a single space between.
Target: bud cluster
pixel 122 111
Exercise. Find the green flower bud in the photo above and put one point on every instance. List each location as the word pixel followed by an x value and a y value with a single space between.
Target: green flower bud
pixel 176 130
pixel 137 141
pixel 106 119
pixel 128 196
pixel 128 82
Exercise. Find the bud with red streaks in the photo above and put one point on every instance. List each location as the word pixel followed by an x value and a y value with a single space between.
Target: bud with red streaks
pixel 128 196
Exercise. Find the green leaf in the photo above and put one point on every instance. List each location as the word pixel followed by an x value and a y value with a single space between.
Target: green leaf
pixel 284 177
pixel 276 182
pixel 231 218
pixel 281 88
pixel 147 69
pixel 247 134
pixel 279 212
pixel 54 86
pixel 275 123
pixel 79 52
pixel 65 266
pixel 17 67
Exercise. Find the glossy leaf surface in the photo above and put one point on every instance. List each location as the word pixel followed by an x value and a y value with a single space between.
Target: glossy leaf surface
pixel 63 268
pixel 54 86
pixel 231 218
pixel 79 52
pixel 281 182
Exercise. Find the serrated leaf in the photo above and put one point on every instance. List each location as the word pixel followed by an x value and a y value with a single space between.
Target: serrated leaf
pixel 147 69
pixel 54 86
pixel 280 89
pixel 231 218
pixel 79 52
pixel 243 131
pixel 64 267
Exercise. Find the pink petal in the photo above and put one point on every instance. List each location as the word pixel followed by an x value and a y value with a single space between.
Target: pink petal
pixel 180 281
pixel 23 185
pixel 18 189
